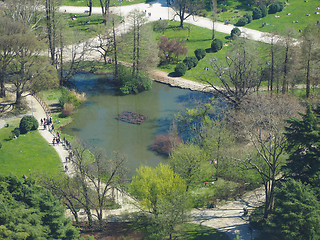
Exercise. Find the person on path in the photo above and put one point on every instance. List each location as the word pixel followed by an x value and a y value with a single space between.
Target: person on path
pixel 41 122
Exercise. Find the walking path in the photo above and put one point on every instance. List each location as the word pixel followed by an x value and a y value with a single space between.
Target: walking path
pixel 121 197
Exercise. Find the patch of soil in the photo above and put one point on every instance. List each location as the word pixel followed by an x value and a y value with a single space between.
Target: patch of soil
pixel 132 117
pixel 113 231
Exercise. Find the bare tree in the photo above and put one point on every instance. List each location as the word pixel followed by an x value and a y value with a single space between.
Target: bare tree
pixel 89 4
pixel 186 8
pixel 239 73
pixel 262 119
pixel 309 54
pixel 24 11
pixel 105 5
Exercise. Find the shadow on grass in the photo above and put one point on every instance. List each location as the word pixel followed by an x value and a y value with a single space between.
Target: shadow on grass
pixel 198 232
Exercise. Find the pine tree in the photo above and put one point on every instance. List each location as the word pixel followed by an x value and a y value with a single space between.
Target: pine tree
pixel 303 137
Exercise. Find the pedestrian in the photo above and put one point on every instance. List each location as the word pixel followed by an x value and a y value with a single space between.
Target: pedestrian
pixel 205 184
pixel 41 121
pixel 53 141
pixel 66 168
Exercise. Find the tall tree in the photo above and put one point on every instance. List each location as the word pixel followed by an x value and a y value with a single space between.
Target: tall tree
pixel 303 146
pixel 296 214
pixel 8 33
pixel 262 120
pixel 310 57
pixel 239 74
pixel 29 73
pixel 214 16
pixel 186 8
pixel 89 4
pixel 105 5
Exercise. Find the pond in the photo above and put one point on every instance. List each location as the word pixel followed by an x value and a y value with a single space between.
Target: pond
pixel 95 122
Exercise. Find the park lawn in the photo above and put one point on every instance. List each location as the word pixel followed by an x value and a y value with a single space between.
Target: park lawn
pixel 26 154
pixel 200 38
pixel 297 9
pixel 96 3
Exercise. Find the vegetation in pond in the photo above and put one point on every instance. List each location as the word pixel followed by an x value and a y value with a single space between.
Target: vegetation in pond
pixel 132 117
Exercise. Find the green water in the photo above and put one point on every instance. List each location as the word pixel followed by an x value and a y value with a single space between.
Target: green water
pixel 95 122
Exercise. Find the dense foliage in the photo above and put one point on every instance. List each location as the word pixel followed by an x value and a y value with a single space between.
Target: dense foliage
pixel 256 13
pixel 180 69
pixel 235 32
pixel 276 7
pixel 242 21
pixel 200 53
pixel 191 62
pixel 129 84
pixel 216 45
pixel 30 212
pixel 28 123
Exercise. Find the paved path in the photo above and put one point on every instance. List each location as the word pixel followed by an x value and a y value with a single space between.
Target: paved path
pixel 121 198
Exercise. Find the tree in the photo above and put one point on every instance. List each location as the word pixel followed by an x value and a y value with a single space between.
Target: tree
pixel 186 160
pixel 8 33
pixel 28 211
pixel 303 146
pixel 29 73
pixel 262 121
pixel 264 10
pixel 296 214
pixel 256 13
pixel 89 4
pixel 169 51
pixel 309 54
pixel 162 194
pixel 239 74
pixel 186 8
pixel 214 16
pixel 105 5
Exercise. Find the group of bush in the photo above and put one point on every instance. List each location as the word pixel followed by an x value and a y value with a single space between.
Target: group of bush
pixel 27 123
pixel 260 12
pixel 190 62
pixel 69 100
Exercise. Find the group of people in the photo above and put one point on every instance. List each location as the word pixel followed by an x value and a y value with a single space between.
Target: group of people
pixel 47 122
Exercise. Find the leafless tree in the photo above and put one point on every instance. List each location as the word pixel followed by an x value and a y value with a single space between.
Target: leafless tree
pixel 239 73
pixel 186 8
pixel 262 119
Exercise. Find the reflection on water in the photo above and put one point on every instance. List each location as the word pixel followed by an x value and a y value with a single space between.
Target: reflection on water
pixel 95 123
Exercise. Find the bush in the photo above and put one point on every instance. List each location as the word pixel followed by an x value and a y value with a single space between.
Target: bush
pixel 180 69
pixel 28 123
pixel 216 45
pixel 276 7
pixel 200 53
pixel 16 132
pixel 67 109
pixel 0 145
pixel 256 13
pixel 191 62
pixel 73 97
pixel 235 32
pixel 264 10
pixel 164 144
pixel 160 26
pixel 242 21
pixel 248 16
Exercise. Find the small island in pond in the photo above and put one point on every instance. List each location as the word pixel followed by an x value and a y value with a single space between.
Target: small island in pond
pixel 132 117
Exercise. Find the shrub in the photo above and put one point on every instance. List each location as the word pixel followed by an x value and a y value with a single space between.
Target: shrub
pixel 200 53
pixel 191 62
pixel 235 32
pixel 171 50
pixel 0 145
pixel 160 26
pixel 248 16
pixel 256 13
pixel 16 132
pixel 73 97
pixel 276 7
pixel 242 21
pixel 28 123
pixel 180 69
pixel 164 144
pixel 264 10
pixel 67 109
pixel 216 45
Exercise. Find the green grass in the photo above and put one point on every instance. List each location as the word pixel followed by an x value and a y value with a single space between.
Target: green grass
pixel 297 9
pixel 199 232
pixel 96 3
pixel 26 154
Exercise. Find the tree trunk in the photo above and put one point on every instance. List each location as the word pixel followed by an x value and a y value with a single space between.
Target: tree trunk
pixel 285 71
pixel 90 7
pixel 2 89
pixel 18 97
pixel 308 75
pixel 115 52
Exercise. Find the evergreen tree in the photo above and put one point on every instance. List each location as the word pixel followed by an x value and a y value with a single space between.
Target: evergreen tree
pixel 303 137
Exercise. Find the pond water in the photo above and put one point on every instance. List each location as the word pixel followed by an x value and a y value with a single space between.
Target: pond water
pixel 95 122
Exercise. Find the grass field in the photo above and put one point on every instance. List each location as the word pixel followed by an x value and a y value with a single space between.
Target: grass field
pixel 298 9
pixel 26 154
